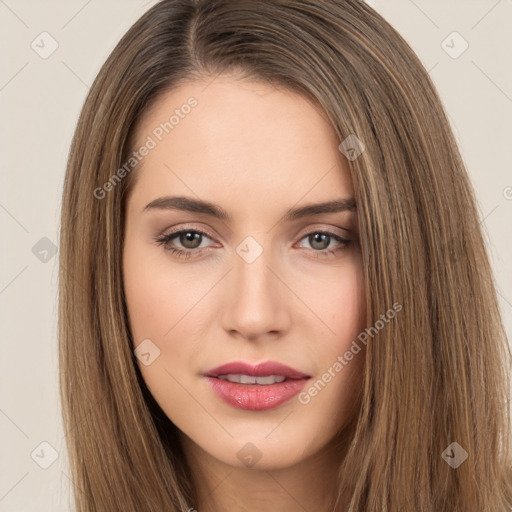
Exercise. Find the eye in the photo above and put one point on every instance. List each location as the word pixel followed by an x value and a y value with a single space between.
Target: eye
pixel 321 240
pixel 191 240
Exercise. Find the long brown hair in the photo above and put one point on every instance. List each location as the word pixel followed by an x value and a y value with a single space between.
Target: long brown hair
pixel 436 375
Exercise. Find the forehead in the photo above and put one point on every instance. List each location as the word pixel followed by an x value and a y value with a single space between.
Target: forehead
pixel 236 139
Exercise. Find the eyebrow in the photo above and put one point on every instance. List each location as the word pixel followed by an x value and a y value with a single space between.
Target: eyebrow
pixel 189 204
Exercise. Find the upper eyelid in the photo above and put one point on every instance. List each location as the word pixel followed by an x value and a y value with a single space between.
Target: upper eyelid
pixel 188 228
pixel 314 229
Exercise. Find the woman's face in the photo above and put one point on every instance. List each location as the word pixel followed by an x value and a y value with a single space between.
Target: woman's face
pixel 257 284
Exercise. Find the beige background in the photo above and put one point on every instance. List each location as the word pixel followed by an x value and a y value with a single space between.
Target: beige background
pixel 40 100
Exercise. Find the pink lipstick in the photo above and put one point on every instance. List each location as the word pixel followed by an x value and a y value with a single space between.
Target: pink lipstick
pixel 255 387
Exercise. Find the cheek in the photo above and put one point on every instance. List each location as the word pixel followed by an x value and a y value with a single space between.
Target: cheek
pixel 157 302
pixel 347 307
pixel 145 300
pixel 335 391
pixel 338 301
pixel 156 297
pixel 342 307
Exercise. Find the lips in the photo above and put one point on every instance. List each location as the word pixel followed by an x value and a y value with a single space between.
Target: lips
pixel 260 395
pixel 260 370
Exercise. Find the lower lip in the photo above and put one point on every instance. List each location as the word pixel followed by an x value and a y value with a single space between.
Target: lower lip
pixel 256 397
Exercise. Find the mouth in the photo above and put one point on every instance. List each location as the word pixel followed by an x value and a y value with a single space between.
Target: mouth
pixel 255 388
pixel 249 379
pixel 247 372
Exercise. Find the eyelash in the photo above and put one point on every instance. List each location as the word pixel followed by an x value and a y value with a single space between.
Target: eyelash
pixel 187 253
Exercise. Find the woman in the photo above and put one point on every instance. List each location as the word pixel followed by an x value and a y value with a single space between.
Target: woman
pixel 274 290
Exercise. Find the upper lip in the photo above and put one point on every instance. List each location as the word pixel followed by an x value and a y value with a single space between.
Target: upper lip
pixel 258 370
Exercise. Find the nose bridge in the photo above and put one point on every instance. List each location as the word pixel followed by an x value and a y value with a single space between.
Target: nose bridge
pixel 253 279
pixel 255 305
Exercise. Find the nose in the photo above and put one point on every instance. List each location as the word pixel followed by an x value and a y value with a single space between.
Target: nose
pixel 256 300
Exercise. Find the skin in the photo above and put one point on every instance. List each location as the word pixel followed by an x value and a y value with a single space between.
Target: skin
pixel 256 151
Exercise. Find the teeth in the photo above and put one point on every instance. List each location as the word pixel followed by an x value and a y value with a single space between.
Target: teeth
pixel 247 379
